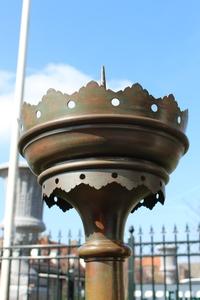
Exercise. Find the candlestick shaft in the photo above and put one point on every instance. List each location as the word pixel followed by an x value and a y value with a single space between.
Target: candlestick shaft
pixel 104 214
pixel 104 280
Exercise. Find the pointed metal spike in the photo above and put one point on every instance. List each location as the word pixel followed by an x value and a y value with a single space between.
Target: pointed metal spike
pixel 103 77
pixel 69 233
pixel 79 233
pixel 49 235
pixel 59 235
pixel 69 237
pixel 151 230
pixel 79 236
pixel 175 229
pixel 163 229
pixel 187 228
pixel 140 230
pixel 131 230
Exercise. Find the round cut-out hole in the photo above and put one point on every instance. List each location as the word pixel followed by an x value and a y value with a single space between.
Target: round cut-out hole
pixel 71 104
pixel 82 176
pixel 154 107
pixel 142 201
pixel 43 186
pixel 115 102
pixel 56 180
pixel 179 120
pixel 114 175
pixel 38 114
pixel 157 196
pixel 55 199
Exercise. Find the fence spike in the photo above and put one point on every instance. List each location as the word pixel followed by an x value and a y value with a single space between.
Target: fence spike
pixel 69 233
pixel 140 231
pixel 131 230
pixel 79 236
pixel 79 233
pixel 187 229
pixel 198 230
pixel 163 230
pixel 49 235
pixel 69 236
pixel 175 231
pixel 59 236
pixel 151 230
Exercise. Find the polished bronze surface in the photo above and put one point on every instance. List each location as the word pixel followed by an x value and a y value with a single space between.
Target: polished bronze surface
pixel 104 153
pixel 104 280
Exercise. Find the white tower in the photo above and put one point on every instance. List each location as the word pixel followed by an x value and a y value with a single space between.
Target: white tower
pixel 28 206
pixel 168 265
pixel 28 224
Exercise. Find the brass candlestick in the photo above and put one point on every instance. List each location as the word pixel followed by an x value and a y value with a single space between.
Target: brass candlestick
pixel 104 153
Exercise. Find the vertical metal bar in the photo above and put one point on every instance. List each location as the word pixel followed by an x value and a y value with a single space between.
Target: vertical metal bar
pixel 69 297
pixel 48 271
pixel 141 260
pixel 79 270
pixel 57 276
pixel 19 271
pixel 131 268
pixel 9 277
pixel 164 260
pixel 28 291
pixel 176 259
pixel 152 261
pixel 79 279
pixel 13 161
pixel 38 276
pixel 58 266
pixel 61 284
pixel 188 258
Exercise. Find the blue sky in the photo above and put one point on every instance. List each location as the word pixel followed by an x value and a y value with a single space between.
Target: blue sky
pixel 153 42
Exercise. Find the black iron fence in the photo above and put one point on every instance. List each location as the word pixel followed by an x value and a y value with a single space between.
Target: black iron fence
pixel 164 267
pixel 161 267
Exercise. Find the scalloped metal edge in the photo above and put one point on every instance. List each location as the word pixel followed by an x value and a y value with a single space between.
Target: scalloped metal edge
pixel 66 182
pixel 167 104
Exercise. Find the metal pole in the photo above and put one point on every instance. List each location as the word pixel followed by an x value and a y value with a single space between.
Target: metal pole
pixel 13 162
pixel 131 267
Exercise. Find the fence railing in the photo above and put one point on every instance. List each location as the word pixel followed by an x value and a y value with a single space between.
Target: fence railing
pixel 159 268
pixel 164 268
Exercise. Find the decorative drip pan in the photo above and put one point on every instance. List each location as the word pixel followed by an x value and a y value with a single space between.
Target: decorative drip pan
pixel 99 132
pixel 55 187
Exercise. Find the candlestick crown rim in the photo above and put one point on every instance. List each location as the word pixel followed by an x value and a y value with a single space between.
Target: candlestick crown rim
pixel 94 99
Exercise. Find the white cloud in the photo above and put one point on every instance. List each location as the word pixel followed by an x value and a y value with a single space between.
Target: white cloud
pixel 58 76
pixel 6 81
pixel 6 112
pixel 117 85
pixel 6 98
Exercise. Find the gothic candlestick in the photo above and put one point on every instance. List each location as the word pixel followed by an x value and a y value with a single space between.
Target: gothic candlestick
pixel 102 152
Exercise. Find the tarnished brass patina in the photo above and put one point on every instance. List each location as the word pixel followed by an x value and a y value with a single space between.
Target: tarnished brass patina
pixel 104 153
